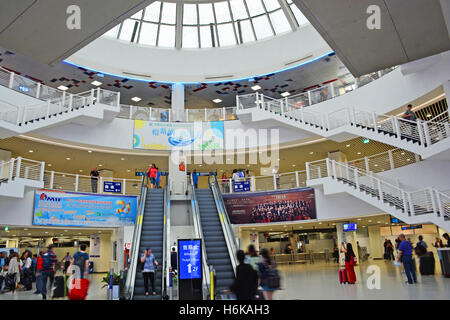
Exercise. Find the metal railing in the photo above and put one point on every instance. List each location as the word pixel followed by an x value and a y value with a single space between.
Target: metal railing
pixel 22 168
pixel 166 239
pixel 199 235
pixel 131 272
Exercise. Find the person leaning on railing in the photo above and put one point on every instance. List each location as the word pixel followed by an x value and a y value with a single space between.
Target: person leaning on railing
pixel 410 116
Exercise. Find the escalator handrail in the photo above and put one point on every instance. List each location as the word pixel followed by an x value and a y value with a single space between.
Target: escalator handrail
pixel 199 234
pixel 225 222
pixel 131 274
pixel 166 239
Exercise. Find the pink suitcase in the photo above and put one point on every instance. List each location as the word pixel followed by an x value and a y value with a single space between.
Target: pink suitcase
pixel 343 276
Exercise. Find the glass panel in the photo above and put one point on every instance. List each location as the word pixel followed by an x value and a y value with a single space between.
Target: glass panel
pixel 222 12
pixel 190 14
pixel 190 37
pixel 127 30
pixel 149 32
pixel 166 36
pixel 137 15
pixel 279 22
pixel 271 4
pixel 205 36
pixel 169 13
pixel 226 34
pixel 206 14
pixel 255 7
pixel 262 27
pixel 113 32
pixel 152 12
pixel 238 9
pixel 247 31
pixel 301 19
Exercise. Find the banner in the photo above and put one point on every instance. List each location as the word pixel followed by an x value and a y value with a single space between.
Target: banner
pixel 153 135
pixel 94 246
pixel 271 206
pixel 61 208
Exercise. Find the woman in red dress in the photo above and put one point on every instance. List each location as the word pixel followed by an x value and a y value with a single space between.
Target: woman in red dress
pixel 350 262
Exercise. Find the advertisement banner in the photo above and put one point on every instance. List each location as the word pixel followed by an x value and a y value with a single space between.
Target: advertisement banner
pixel 61 208
pixel 94 247
pixel 151 135
pixel 190 259
pixel 271 206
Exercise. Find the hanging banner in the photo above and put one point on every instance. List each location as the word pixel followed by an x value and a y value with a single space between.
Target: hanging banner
pixel 94 247
pixel 61 208
pixel 271 206
pixel 153 135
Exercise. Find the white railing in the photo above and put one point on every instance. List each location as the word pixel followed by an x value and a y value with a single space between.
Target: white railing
pixel 82 183
pixel 21 168
pixel 54 101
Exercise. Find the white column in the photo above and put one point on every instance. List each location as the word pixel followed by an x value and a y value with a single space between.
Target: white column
pixel 297 180
pixel 52 178
pixel 391 159
pixel 178 113
pixel 375 241
pixel 19 162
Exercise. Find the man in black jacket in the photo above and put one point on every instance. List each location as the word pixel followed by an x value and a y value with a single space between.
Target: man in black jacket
pixel 246 282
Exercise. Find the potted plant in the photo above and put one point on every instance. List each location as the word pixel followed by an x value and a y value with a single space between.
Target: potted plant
pixel 115 283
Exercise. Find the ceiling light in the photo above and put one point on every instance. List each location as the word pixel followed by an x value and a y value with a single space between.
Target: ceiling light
pixel 49 164
pixel 128 170
pixel 311 152
pixel 14 235
pixel 136 99
pixel 285 94
pixel 67 158
pixel 429 115
pixel 81 170
pixel 408 159
pixel 217 100
pixel 46 231
pixel 31 151
pixel 100 165
pixel 256 87
pixel 63 88
pixel 370 220
pixel 66 230
pixel 90 151
pixel 293 165
pixel 96 83
pixel 29 234
pixel 25 229
pixel 359 219
pixel 359 152
pixel 348 146
pixel 122 158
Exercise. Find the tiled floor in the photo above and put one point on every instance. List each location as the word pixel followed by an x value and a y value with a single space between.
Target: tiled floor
pixel 320 281
pixel 96 292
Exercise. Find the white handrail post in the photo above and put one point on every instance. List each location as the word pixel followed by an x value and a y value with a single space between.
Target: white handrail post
pixel 253 183
pixel 420 128
pixel 374 119
pixel 2 164
pixel 170 115
pixel 331 89
pixel 391 159
pixel 131 112
pixel 328 164
pixel 433 200
pixel 309 98
pixel 224 113
pixel 347 173
pixel 307 170
pixel 38 90
pixel 11 169
pixel 302 116
pixel 333 164
pixel 397 127
pixel 261 101
pixel 124 186
pixel 349 116
pixel 77 177
pixel 206 115
pixel 319 172
pixel 98 94
pixel 11 80
pixel 19 163
pixel 63 103
pixel 366 163
pixel 355 172
pixel 411 204
pixel 297 179
pixel 439 204
pixel 41 176
pixel 100 187
pixel 118 98
pixel 52 179
pixel 274 182
pixel 231 185
pixel 24 115
pixel 405 201
pixel 187 115
pixel 71 101
pixel 322 121
pixel 150 114
pixel 92 96
pixel 380 191
pixel 327 121
pixel 237 103
pixel 426 131
pixel 48 108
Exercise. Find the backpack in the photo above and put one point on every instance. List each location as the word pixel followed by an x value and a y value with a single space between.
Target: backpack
pixel 80 261
pixel 272 278
pixel 46 261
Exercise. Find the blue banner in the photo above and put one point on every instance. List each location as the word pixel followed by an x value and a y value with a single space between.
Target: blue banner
pixel 241 186
pixel 60 208
pixel 111 186
pixel 190 259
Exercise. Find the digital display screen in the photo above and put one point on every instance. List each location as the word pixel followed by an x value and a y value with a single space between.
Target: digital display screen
pixel 350 227
pixel 190 259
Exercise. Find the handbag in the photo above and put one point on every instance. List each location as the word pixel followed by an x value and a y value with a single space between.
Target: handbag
pixel 353 261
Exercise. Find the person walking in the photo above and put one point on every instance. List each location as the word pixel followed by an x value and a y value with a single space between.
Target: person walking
pixel 252 257
pixel 195 178
pixel 246 283
pixel 39 265
pixel 268 275
pixel 14 271
pixel 148 271
pixel 49 261
pixel 67 260
pixel 390 251
pixel 94 179
pixel 81 260
pixel 350 261
pixel 158 178
pixel 422 243
pixel 405 256
pixel 26 274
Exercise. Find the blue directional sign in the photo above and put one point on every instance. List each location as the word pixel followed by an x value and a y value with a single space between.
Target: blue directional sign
pixel 241 186
pixel 190 259
pixel 111 186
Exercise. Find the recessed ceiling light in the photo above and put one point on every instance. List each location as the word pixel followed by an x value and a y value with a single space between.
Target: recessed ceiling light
pixel 293 165
pixel 49 164
pixel 67 158
pixel 256 87
pixel 96 83
pixel 122 158
pixel 128 170
pixel 348 146
pixel 359 219
pixel 29 234
pixel 429 115
pixel 66 230
pixel 61 87
pixel 408 159
pixel 217 100
pixel 285 94
pixel 81 170
pixel 359 152
pixel 25 229
pixel 100 165
pixel 311 152
pixel 46 231
pixel 90 151
pixel 370 220
pixel 136 99
pixel 14 235
pixel 31 151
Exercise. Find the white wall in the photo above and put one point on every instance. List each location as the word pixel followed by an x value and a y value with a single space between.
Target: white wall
pixel 17 211
pixel 169 64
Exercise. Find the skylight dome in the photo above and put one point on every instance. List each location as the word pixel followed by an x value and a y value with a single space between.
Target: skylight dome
pixel 200 24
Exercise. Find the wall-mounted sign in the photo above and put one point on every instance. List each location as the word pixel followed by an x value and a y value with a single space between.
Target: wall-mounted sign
pixel 112 186
pixel 190 259
pixel 241 186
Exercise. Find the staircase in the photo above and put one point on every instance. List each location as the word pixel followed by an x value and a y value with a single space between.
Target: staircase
pixel 47 107
pixel 214 240
pixel 427 138
pixel 152 236
pixel 413 207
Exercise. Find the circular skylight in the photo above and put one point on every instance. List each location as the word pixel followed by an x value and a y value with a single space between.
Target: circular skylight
pixel 195 25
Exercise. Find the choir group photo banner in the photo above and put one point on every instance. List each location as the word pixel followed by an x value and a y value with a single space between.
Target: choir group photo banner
pixel 202 136
pixel 60 208
pixel 271 206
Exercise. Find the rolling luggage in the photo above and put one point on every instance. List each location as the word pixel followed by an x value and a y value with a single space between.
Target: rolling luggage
pixel 343 276
pixel 79 289
pixel 26 281
pixel 10 281
pixel 426 266
pixel 60 290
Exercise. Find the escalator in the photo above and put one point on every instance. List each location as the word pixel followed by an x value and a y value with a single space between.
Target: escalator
pixel 216 238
